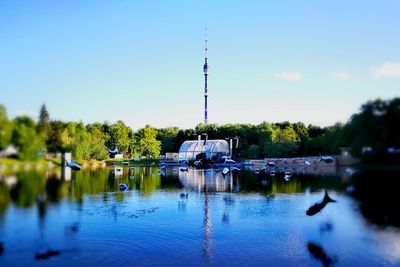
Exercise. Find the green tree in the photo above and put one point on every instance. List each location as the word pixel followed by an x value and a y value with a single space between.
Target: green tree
pixel 44 120
pixel 167 137
pixel 98 148
pixel 120 136
pixel 55 141
pixel 285 142
pixel 6 128
pixel 77 140
pixel 253 151
pixel 24 137
pixel 376 125
pixel 147 143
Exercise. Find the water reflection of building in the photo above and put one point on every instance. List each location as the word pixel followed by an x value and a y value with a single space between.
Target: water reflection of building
pixel 206 181
pixel 210 179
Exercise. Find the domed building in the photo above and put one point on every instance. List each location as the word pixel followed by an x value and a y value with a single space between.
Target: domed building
pixel 212 150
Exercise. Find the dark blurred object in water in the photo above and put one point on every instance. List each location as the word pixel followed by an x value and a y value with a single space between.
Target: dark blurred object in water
pixel 45 254
pixel 72 228
pixel 1 248
pixel 317 207
pixel 225 217
pixel 319 253
pixel 326 227
pixel 377 190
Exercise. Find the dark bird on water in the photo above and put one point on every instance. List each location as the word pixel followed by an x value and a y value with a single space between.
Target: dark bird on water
pixel 317 207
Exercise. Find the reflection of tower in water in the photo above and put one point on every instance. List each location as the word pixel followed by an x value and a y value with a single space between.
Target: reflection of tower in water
pixel 207 243
pixel 209 180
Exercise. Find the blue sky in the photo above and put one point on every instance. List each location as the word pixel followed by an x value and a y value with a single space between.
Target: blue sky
pixel 141 61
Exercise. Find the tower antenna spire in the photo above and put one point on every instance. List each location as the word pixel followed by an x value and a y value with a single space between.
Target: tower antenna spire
pixel 205 69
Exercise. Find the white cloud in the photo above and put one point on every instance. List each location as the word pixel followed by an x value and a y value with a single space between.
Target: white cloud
pixel 343 75
pixel 386 70
pixel 290 76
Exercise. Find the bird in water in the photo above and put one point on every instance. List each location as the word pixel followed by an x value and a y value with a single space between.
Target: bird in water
pixel 183 169
pixel 73 165
pixel 326 159
pixel 288 175
pixel 123 187
pixel 317 207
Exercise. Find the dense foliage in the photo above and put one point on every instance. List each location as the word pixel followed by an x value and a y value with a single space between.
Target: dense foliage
pixel 377 126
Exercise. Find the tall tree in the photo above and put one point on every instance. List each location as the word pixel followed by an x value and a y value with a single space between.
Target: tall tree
pixel 120 136
pixel 25 138
pixel 98 148
pixel 44 120
pixel 77 140
pixel 148 145
pixel 55 141
pixel 6 128
pixel 168 136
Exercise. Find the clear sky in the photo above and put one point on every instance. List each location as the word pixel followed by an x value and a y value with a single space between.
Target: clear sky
pixel 141 61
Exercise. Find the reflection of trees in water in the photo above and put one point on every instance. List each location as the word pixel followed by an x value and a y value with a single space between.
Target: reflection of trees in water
pixel 28 186
pixel 40 187
pixel 299 183
pixel 149 184
pixel 4 198
pixel 377 191
pixel 170 182
pixel 54 189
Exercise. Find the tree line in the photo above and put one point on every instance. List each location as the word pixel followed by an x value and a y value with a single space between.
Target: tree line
pixel 376 125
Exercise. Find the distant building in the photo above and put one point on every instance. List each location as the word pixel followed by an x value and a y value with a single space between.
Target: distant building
pixel 171 157
pixel 212 150
pixel 10 151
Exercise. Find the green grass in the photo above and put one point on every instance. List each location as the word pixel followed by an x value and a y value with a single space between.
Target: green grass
pixel 10 165
pixel 132 161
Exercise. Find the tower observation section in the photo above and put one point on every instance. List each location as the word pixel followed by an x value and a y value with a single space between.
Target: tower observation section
pixel 206 72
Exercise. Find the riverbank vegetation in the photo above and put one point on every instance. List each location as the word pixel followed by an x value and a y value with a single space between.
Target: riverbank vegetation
pixel 376 127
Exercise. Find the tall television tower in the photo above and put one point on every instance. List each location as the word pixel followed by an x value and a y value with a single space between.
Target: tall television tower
pixel 205 68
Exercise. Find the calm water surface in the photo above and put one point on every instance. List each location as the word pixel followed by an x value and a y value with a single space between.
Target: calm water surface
pixel 197 218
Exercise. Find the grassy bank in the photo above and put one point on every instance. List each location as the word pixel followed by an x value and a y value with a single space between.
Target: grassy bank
pixel 132 161
pixel 13 165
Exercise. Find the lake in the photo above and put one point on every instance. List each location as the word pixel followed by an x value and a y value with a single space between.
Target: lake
pixel 199 218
